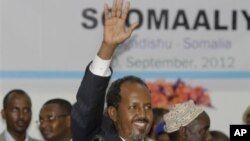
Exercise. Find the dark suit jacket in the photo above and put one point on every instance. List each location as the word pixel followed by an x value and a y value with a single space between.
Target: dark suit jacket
pixel 88 121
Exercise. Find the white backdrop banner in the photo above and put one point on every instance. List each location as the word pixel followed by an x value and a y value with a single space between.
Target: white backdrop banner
pixel 46 44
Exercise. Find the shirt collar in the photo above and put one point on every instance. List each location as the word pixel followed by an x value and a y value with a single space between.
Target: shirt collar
pixel 122 138
pixel 8 136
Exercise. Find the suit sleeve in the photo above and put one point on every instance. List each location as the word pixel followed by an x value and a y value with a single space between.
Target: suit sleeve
pixel 87 112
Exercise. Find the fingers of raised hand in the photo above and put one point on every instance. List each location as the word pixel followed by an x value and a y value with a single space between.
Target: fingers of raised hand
pixel 106 11
pixel 114 8
pixel 119 8
pixel 131 29
pixel 125 10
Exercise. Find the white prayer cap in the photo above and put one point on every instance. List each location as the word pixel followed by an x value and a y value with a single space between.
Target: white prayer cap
pixel 181 115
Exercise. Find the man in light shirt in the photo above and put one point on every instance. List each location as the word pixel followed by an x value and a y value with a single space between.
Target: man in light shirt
pixel 17 114
pixel 128 115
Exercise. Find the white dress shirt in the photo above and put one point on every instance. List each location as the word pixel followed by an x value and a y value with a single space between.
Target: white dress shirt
pixel 8 137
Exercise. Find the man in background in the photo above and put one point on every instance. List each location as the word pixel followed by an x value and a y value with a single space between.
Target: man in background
pixel 187 122
pixel 17 114
pixel 160 133
pixel 158 117
pixel 246 116
pixel 55 120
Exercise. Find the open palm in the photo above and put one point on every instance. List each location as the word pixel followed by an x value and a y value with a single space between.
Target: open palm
pixel 115 31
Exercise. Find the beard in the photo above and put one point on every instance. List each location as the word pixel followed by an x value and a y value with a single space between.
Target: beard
pixel 138 136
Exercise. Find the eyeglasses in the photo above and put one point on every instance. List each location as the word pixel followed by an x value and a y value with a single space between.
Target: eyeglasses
pixel 50 119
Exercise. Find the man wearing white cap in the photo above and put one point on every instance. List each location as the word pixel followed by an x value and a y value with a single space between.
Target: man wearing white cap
pixel 187 122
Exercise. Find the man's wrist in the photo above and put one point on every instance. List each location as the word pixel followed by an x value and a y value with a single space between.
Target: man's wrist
pixel 106 51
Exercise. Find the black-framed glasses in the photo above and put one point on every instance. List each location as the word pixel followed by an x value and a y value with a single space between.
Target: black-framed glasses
pixel 50 119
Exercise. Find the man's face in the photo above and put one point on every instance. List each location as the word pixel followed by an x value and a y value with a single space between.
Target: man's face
pixel 54 122
pixel 134 113
pixel 198 130
pixel 17 113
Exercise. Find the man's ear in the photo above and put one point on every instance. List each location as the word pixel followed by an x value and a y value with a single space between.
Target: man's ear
pixel 112 113
pixel 183 132
pixel 3 114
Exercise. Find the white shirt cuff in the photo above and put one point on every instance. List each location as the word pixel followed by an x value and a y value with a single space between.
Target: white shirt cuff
pixel 100 67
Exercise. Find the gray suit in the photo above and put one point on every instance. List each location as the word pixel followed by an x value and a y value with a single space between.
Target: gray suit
pixel 2 138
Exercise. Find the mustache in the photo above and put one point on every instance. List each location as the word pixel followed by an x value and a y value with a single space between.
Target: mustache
pixel 141 120
pixel 20 121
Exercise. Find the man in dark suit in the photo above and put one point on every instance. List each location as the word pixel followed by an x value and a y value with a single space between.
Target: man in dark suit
pixel 128 115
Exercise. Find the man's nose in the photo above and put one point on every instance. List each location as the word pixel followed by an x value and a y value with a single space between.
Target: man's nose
pixel 142 112
pixel 21 115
